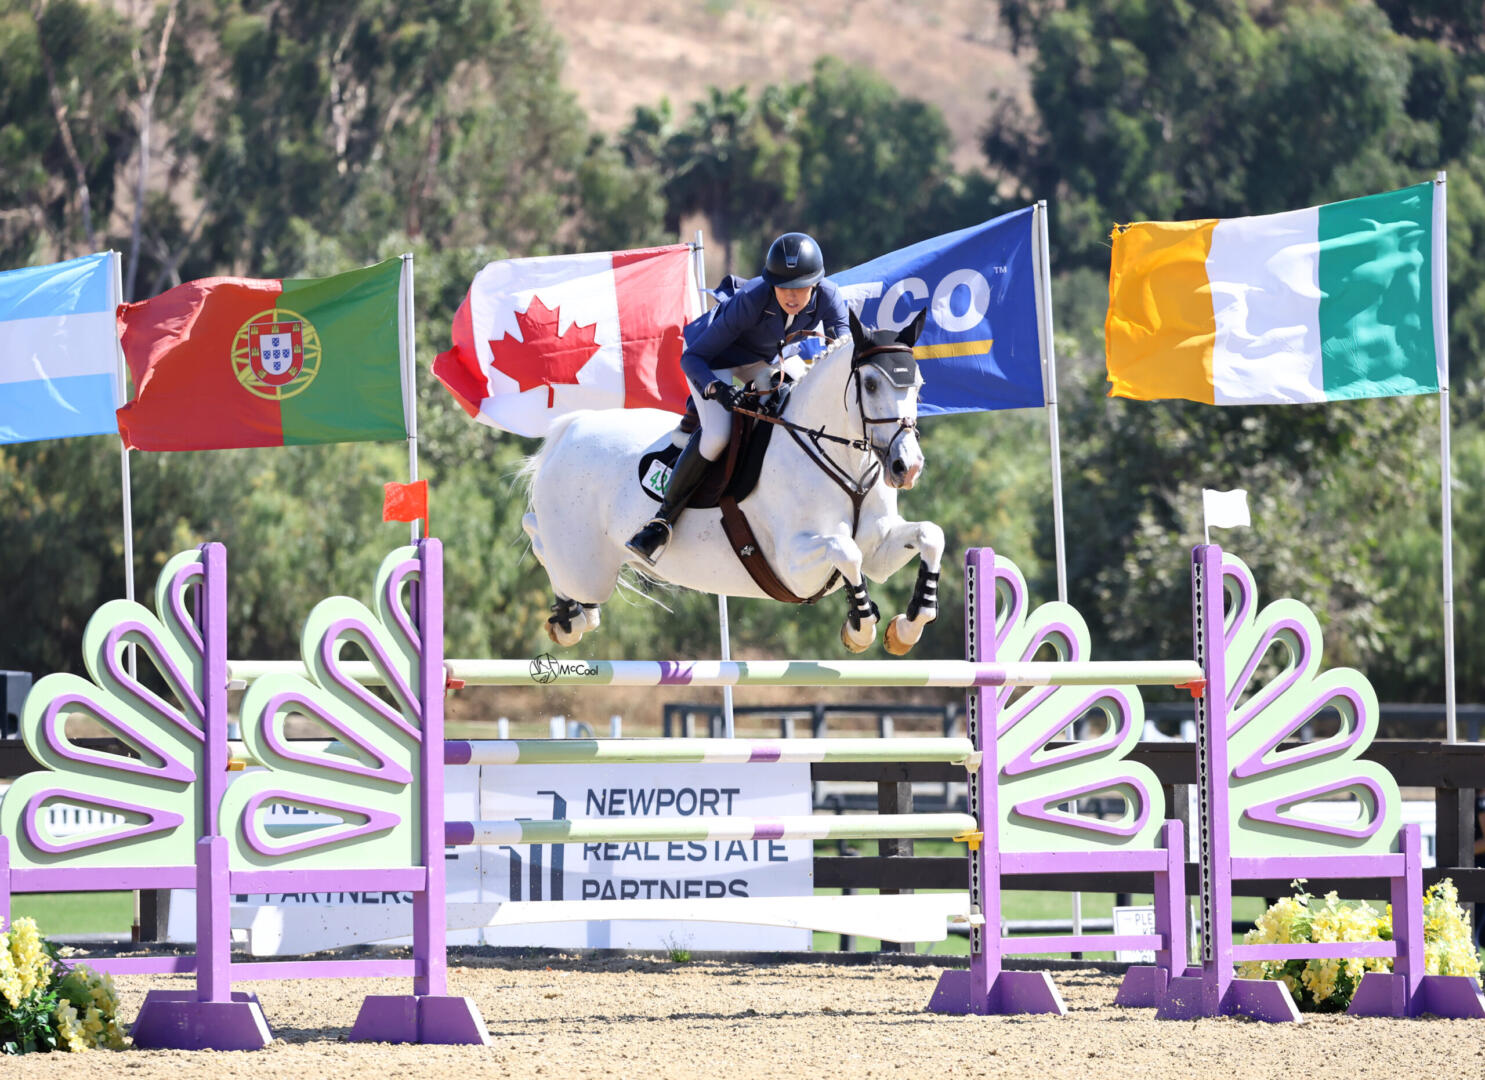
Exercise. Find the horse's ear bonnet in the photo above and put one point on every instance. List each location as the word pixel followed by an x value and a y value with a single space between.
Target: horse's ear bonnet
pixel 883 350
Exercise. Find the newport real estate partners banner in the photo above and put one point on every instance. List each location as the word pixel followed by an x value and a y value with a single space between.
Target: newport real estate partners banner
pixel 480 879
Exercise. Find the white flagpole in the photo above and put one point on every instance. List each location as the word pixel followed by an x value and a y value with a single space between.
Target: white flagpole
pixel 1441 347
pixel 729 729
pixel 125 486
pixel 125 483
pixel 408 358
pixel 1043 260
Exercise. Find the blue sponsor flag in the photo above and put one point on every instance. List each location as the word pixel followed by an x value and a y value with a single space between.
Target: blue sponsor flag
pixel 980 348
pixel 58 351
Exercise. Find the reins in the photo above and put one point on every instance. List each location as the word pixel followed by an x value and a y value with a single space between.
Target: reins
pixel 815 434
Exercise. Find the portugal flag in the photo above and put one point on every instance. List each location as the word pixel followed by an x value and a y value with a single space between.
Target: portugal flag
pixel 222 363
pixel 536 339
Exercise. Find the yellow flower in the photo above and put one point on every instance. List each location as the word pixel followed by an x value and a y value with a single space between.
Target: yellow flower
pixel 31 967
pixel 10 979
pixel 68 1027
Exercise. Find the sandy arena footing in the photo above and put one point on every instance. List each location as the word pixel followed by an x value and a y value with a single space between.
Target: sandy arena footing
pixel 602 1018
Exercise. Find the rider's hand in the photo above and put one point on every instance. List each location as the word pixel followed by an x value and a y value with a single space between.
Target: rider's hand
pixel 724 394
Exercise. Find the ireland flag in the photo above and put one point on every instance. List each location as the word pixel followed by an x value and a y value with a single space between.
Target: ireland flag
pixel 1334 302
pixel 222 363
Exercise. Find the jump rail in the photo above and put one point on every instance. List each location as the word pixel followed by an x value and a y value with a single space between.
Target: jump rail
pixel 940 673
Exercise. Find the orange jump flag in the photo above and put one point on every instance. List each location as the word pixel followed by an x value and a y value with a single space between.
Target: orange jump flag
pixel 406 502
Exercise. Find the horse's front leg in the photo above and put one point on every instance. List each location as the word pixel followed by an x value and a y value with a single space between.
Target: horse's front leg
pixel 844 554
pixel 898 541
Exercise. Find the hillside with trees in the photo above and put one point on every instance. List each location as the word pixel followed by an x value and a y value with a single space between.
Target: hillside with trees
pixel 294 139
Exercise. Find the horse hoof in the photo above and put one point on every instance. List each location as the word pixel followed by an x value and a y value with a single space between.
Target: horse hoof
pixel 864 644
pixel 566 639
pixel 895 641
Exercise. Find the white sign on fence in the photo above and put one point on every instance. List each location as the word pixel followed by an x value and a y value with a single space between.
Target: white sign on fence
pixel 481 878
pixel 655 870
pixel 1134 920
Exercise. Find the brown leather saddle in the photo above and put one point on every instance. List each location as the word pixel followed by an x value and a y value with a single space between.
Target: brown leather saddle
pixel 735 473
pixel 729 480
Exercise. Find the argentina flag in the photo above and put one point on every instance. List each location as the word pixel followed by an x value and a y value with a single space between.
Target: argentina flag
pixel 58 350
pixel 980 348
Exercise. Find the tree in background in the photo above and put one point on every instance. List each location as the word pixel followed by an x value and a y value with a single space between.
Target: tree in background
pixel 65 126
pixel 843 156
pixel 293 139
pixel 1171 111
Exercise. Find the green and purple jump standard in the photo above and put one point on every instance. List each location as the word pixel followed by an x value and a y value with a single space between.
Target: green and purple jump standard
pixel 183 827
pixel 1252 821
pixel 1027 797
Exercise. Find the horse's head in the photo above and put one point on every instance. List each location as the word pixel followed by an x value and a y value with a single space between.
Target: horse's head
pixel 886 382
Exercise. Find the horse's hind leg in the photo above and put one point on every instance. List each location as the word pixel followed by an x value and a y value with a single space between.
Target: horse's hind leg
pixel 581 581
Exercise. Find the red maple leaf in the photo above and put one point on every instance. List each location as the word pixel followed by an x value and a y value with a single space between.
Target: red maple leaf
pixel 542 357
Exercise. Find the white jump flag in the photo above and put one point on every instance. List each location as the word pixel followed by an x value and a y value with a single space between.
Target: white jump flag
pixel 1224 509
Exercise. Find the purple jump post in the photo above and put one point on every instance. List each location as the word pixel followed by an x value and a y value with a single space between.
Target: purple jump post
pixel 428 1014
pixel 987 988
pixel 211 1017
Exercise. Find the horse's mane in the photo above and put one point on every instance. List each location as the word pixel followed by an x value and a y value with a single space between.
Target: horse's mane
pixel 835 346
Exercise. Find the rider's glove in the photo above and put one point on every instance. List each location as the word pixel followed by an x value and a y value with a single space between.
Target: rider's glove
pixel 724 394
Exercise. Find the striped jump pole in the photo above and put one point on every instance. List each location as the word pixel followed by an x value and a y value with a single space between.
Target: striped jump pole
pixel 546 671
pixel 706 828
pixel 704 751
pixel 673 751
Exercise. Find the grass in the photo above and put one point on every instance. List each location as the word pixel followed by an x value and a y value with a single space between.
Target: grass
pixel 67 914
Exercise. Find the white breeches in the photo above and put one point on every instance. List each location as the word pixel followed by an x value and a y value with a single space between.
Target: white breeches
pixel 716 422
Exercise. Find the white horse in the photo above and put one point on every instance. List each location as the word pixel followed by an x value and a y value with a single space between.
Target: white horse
pixel 824 508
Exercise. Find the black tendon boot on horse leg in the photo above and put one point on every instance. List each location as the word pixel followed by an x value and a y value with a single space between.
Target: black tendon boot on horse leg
pixel 689 468
pixel 571 620
pixel 861 614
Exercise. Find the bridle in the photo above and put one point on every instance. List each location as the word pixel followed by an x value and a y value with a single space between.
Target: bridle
pixel 855 487
pixel 904 425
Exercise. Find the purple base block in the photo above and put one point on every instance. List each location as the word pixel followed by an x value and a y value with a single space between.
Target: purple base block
pixel 176 1020
pixel 1453 997
pixel 1012 992
pixel 952 995
pixel 1256 999
pixel 404 1018
pixel 1142 988
pixel 1380 994
pixel 1260 999
pixel 1183 998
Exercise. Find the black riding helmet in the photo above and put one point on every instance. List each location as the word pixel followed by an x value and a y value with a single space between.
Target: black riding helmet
pixel 794 262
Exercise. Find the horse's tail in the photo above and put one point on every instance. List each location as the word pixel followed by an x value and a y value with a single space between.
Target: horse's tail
pixel 527 473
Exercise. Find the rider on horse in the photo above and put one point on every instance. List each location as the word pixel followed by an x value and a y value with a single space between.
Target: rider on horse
pixel 741 337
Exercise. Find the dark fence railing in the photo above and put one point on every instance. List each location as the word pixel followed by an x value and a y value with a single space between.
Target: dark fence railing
pixel 1452 771
pixel 1163 719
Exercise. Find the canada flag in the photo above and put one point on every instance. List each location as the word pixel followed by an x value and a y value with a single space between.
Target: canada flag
pixel 536 339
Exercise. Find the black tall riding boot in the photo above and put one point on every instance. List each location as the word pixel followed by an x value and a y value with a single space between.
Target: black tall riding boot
pixel 685 475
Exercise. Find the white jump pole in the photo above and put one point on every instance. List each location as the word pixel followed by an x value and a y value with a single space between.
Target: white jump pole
pixel 729 727
pixel 601 673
